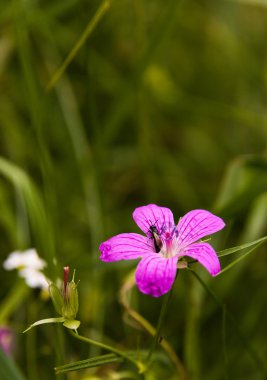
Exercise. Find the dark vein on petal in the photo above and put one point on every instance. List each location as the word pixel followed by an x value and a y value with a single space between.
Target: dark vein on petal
pixel 197 231
pixel 145 269
pixel 189 221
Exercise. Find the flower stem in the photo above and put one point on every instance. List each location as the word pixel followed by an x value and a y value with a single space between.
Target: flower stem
pixel 138 364
pixel 253 353
pixel 159 325
pixel 125 302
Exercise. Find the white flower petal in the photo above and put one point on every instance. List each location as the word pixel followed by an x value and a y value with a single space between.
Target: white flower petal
pixel 24 259
pixel 34 278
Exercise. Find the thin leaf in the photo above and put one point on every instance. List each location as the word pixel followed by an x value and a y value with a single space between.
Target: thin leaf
pixel 34 205
pixel 8 369
pixel 244 180
pixel 238 260
pixel 89 363
pixel 246 342
pixel 124 299
pixel 13 299
pixel 43 321
pixel 229 251
pixel 88 30
pixel 225 356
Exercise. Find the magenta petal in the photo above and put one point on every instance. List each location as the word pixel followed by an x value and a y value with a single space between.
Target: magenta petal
pixel 205 254
pixel 155 275
pixel 151 214
pixel 125 247
pixel 196 224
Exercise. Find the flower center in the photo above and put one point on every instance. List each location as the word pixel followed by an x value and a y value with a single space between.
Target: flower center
pixel 169 242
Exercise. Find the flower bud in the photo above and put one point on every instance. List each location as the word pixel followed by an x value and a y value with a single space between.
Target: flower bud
pixel 57 298
pixel 71 302
pixel 65 300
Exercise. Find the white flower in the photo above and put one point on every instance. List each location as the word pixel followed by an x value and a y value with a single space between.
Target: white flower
pixel 29 266
pixel 34 278
pixel 26 259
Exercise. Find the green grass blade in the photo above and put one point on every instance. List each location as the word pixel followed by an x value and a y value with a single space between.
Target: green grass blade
pixel 89 363
pixel 225 356
pixel 87 32
pixel 247 345
pixel 8 369
pixel 229 251
pixel 38 217
pixel 124 103
pixel 245 179
pixel 13 299
pixel 238 260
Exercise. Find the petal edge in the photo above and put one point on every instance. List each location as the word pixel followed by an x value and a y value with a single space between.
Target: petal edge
pixel 127 246
pixel 205 255
pixel 196 224
pixel 151 214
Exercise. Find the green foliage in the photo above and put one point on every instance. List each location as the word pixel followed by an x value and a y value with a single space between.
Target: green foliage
pixel 89 363
pixel 8 369
pixel 109 105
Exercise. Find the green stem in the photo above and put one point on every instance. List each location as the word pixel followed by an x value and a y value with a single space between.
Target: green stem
pixel 159 325
pixel 231 318
pixel 225 359
pixel 14 298
pixel 138 364
pixel 88 30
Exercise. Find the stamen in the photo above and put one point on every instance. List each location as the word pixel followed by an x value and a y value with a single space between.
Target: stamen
pixel 66 277
pixel 169 239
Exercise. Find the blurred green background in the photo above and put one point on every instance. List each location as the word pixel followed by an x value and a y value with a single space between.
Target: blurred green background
pixel 163 102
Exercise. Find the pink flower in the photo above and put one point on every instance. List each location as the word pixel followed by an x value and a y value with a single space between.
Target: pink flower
pixel 164 244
